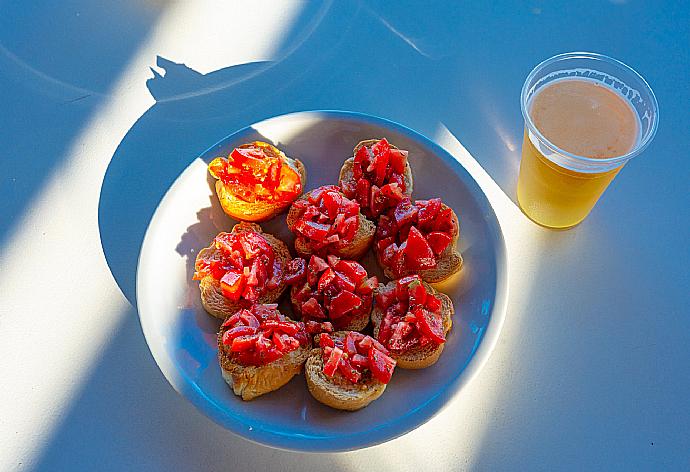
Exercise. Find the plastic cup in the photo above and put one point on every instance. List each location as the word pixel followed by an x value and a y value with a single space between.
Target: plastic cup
pixel 556 188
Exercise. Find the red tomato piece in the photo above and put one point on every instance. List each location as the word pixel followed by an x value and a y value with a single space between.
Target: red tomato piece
pixel 244 343
pixel 343 303
pixel 349 372
pixel 296 271
pixel 326 340
pixel 352 269
pixel 419 254
pixel 312 309
pixel 438 241
pixel 331 365
pixel 430 324
pixel 231 285
pixel 428 211
pixel 381 365
pixel 327 278
pixel 398 160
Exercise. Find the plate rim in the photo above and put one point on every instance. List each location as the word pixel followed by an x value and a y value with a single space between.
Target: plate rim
pixel 383 433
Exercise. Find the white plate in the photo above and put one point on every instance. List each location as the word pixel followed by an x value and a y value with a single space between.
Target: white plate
pixel 182 337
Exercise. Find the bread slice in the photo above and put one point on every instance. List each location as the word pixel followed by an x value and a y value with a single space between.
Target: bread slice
pixel 347 174
pixel 449 261
pixel 338 392
pixel 357 323
pixel 418 357
pixel 250 382
pixel 354 251
pixel 211 294
pixel 259 210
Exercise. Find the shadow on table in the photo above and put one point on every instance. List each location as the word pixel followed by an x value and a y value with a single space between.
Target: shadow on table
pixel 61 90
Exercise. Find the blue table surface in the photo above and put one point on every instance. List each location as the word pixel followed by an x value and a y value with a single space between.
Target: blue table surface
pixel 605 368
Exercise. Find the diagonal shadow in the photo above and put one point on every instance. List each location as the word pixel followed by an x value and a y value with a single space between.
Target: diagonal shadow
pixel 60 90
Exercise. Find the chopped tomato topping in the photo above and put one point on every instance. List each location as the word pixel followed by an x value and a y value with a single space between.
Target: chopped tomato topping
pixel 334 289
pixel 381 365
pixel 260 335
pixel 243 263
pixel 377 181
pixel 356 357
pixel 412 316
pixel 412 236
pixel 257 172
pixel 328 220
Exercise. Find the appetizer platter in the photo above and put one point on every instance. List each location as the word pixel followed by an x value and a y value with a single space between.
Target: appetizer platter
pixel 322 281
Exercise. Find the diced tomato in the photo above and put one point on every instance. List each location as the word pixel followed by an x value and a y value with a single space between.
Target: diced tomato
pixel 382 155
pixel 312 309
pixel 278 341
pixel 333 360
pixel 344 283
pixel 231 284
pixel 352 269
pixel 327 278
pixel 419 254
pixel 296 271
pixel 404 212
pixel 381 365
pixel 363 192
pixel 349 343
pixel 249 319
pixel 289 183
pixel 433 303
pixel 348 371
pixel 368 343
pixel 317 265
pixel 384 298
pixel 389 253
pixel 368 285
pixel 438 241
pixel 385 228
pixel 393 192
pixel 350 207
pixel 332 260
pixel 332 201
pixel 350 228
pixel 360 361
pixel 343 303
pixel 445 222
pixel 349 187
pixel 243 343
pixel 430 324
pixel 428 211
pixel 398 160
pixel 237 331
pixel 231 320
pixel 361 157
pixel 304 293
pixel 325 340
pixel 377 201
pixel 286 327
pixel 417 293
pixel 327 327
pixel 312 230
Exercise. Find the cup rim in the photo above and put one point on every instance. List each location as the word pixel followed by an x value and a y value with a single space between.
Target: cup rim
pixel 583 159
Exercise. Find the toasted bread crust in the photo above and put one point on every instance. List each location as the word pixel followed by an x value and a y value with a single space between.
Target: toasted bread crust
pixel 211 295
pixel 256 211
pixel 420 357
pixel 449 261
pixel 250 382
pixel 346 173
pixel 354 251
pixel 338 392
pixel 357 323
